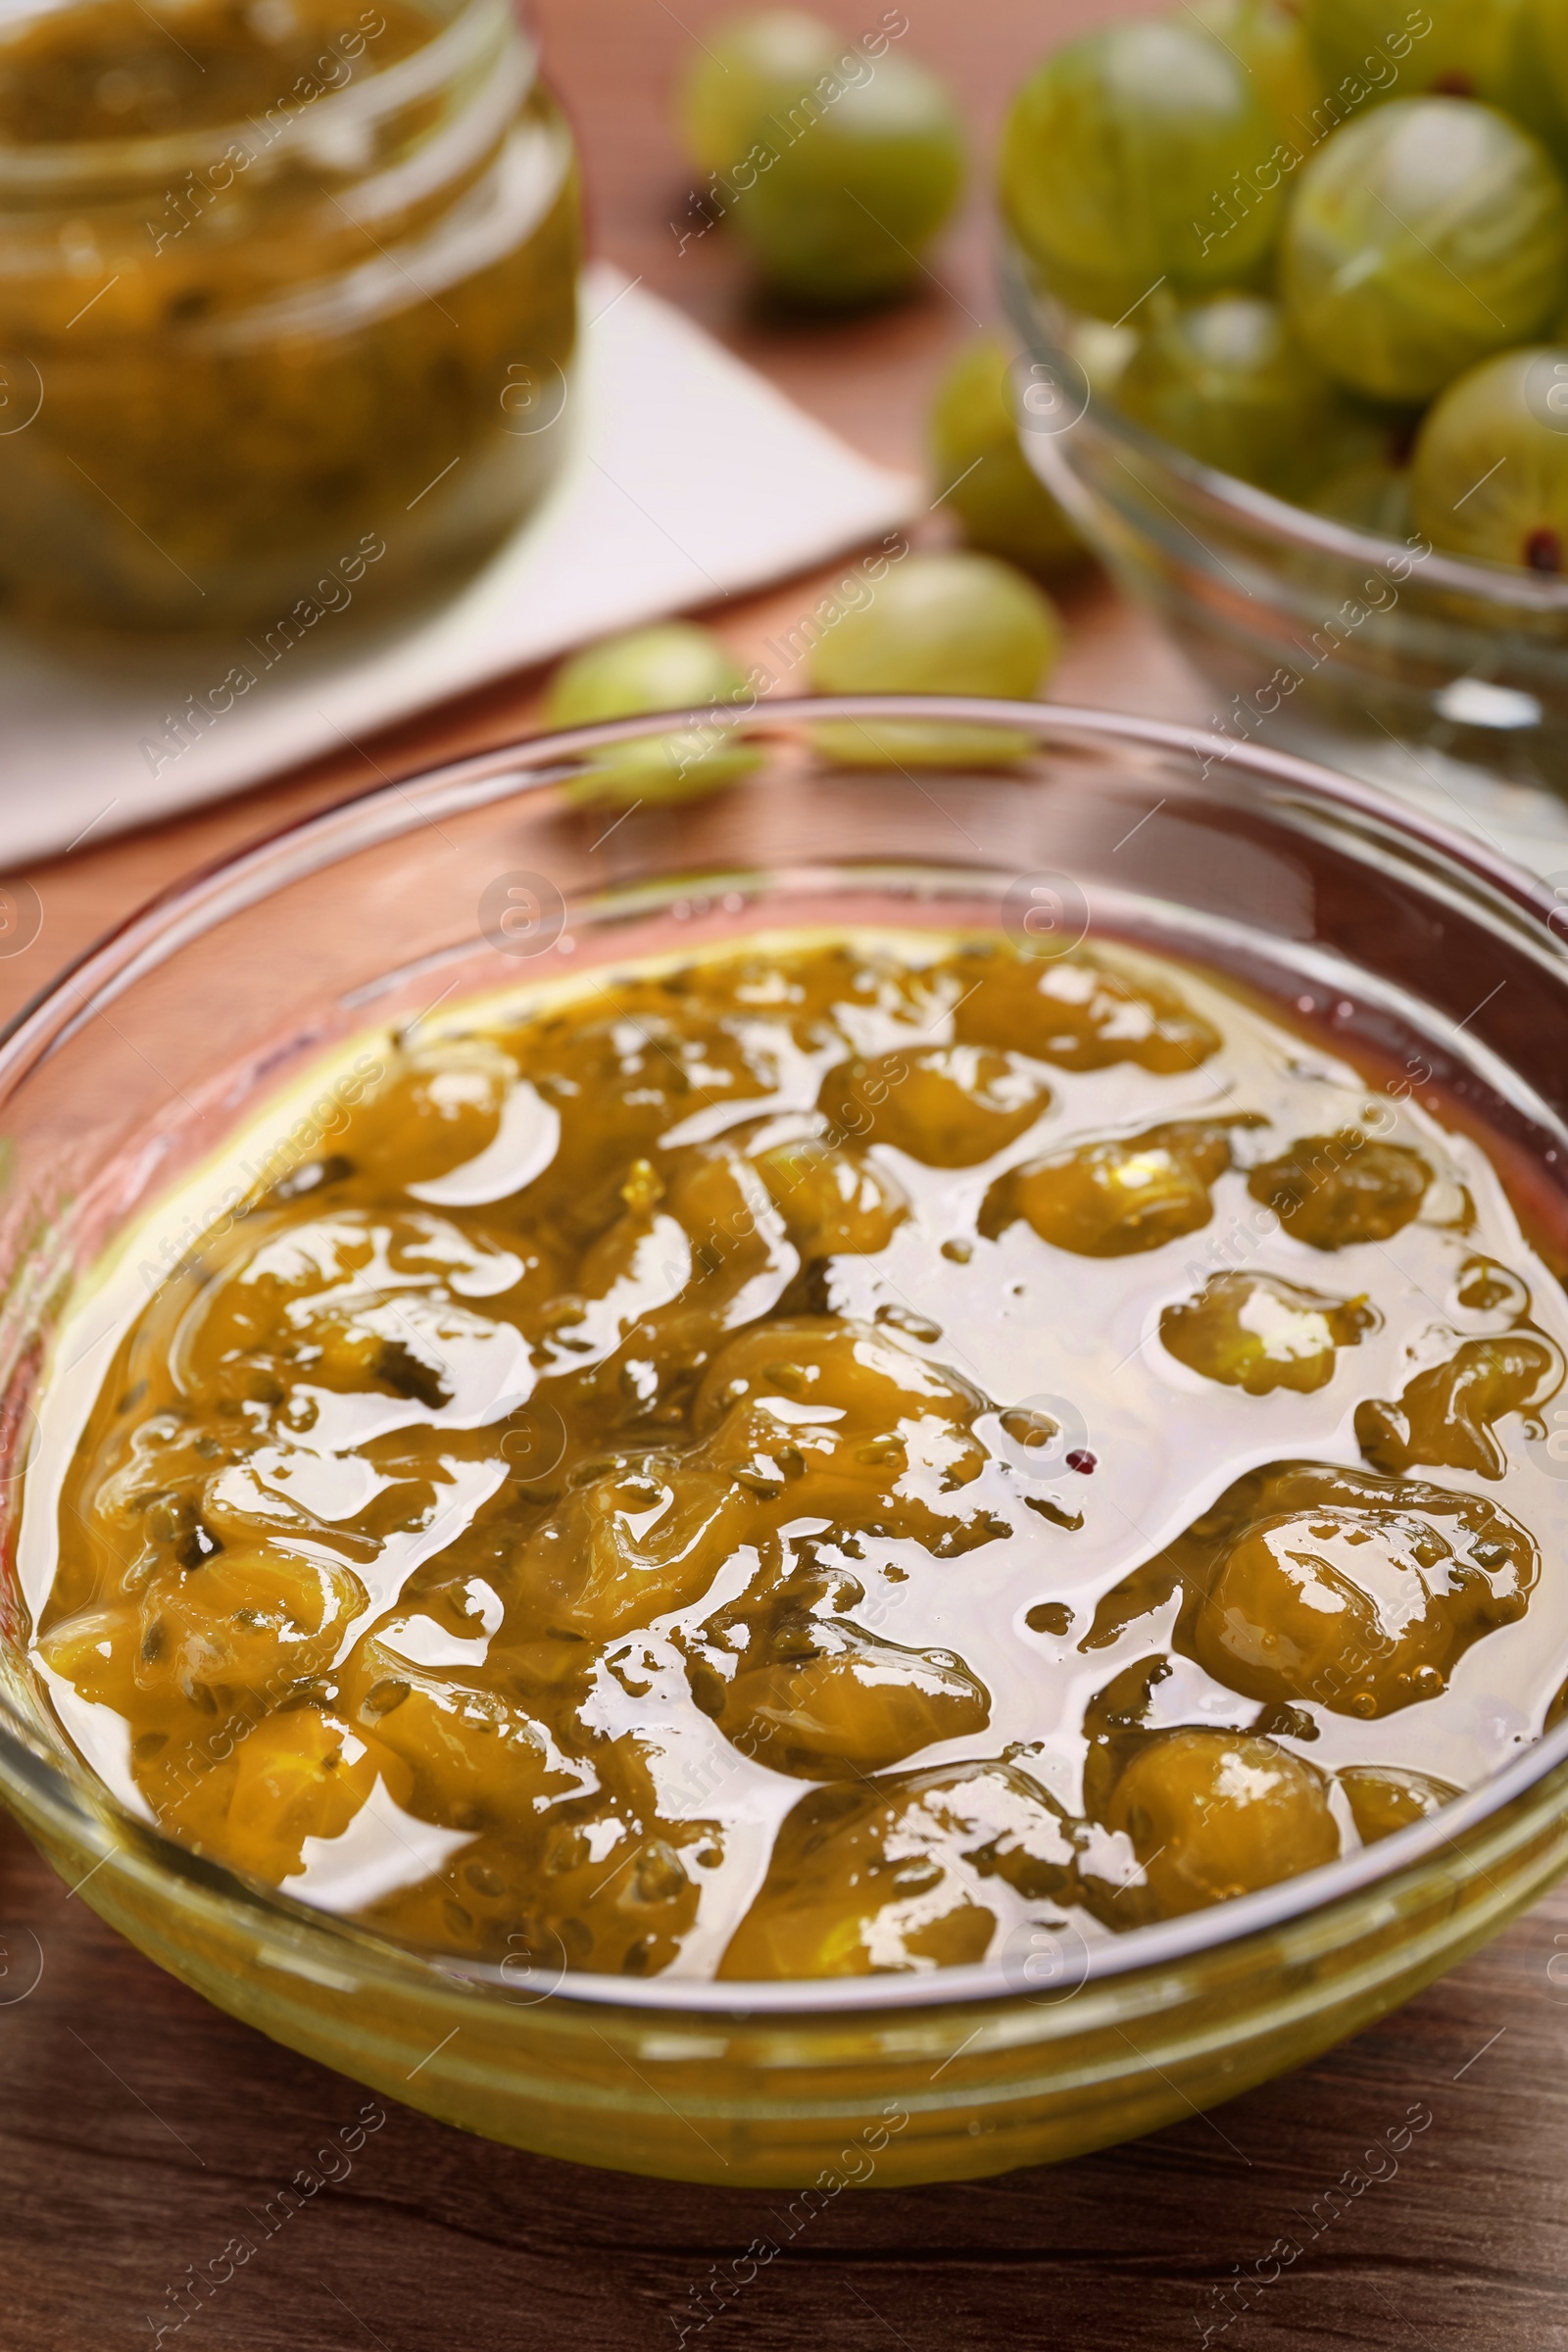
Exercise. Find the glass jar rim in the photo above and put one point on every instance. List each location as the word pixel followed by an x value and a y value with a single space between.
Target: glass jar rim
pixel 77 1802
pixel 66 168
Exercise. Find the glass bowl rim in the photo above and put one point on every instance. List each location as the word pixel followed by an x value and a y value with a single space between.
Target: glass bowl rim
pixel 266 865
pixel 1230 498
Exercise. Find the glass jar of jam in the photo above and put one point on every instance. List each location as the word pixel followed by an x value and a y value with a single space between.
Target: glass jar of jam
pixel 287 301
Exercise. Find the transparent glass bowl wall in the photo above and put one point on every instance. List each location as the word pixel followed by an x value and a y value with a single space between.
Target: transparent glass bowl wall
pixel 1314 637
pixel 131 1073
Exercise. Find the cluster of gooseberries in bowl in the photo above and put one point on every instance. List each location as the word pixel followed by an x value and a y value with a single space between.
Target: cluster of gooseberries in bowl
pixel 1318 261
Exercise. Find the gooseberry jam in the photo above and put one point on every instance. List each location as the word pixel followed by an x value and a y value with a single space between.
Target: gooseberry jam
pixel 289 303
pixel 818 1458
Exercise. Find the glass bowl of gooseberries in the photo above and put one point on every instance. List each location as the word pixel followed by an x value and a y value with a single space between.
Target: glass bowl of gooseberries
pixel 1294 286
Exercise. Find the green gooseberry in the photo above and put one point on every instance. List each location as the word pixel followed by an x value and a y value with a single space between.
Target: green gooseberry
pixel 1103 353
pixel 1369 50
pixel 1141 156
pixel 1227 382
pixel 747 66
pixel 1366 449
pixel 673 667
pixel 943 623
pixel 1534 84
pixel 982 474
pixel 853 178
pixel 1422 237
pixel 1266 37
pixel 1373 497
pixel 1489 474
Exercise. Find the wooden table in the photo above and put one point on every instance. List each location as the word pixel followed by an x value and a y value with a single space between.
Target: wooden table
pixel 138 2125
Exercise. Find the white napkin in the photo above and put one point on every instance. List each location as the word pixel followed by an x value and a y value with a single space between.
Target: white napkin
pixel 689 479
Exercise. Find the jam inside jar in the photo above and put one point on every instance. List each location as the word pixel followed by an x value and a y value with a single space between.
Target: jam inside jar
pixel 287 302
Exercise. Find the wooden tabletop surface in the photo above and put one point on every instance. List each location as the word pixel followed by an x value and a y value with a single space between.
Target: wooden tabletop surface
pixel 137 2124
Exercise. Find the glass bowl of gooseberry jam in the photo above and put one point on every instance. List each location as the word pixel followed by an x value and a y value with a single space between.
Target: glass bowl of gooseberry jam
pixel 1386 957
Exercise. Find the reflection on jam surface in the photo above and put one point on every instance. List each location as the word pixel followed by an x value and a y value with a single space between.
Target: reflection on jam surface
pixel 826 1458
